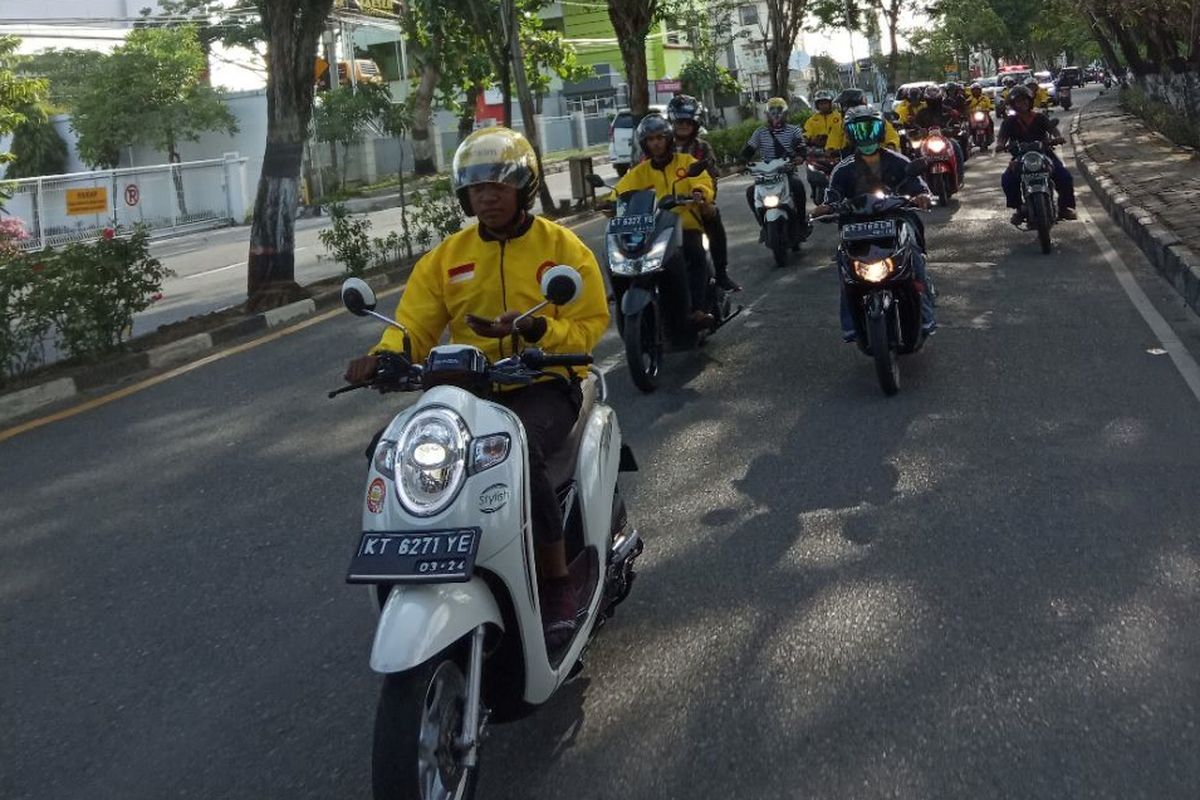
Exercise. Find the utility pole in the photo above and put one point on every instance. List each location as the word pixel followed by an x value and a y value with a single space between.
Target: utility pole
pixel 512 28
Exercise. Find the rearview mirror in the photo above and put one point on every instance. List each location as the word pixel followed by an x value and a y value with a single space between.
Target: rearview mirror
pixel 561 285
pixel 695 170
pixel 358 297
pixel 916 167
pixel 1054 122
pixel 595 181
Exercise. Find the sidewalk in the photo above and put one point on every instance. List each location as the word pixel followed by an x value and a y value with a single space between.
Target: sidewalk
pixel 1149 185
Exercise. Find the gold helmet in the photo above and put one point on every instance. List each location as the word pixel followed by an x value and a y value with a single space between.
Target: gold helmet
pixel 495 155
pixel 777 108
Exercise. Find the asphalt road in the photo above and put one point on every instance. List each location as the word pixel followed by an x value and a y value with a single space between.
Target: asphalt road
pixel 210 266
pixel 986 586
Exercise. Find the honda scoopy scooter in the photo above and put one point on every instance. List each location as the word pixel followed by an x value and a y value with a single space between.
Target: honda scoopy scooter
pixel 447 549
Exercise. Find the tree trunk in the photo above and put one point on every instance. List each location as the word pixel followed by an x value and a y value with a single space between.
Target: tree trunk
pixel 894 56
pixel 292 28
pixel 527 112
pixel 631 21
pixel 177 176
pixel 506 92
pixel 466 120
pixel 424 159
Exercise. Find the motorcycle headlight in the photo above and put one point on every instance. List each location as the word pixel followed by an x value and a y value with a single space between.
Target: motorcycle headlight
pixel 431 459
pixel 653 259
pixel 873 271
pixel 936 145
pixel 770 200
pixel 979 116
pixel 617 262
pixel 917 142
pixel 1033 162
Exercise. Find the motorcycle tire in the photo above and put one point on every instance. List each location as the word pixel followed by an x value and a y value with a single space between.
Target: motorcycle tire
pixel 886 367
pixel 1039 217
pixel 407 700
pixel 777 240
pixel 940 187
pixel 643 352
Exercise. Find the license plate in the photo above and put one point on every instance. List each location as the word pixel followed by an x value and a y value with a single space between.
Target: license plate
pixel 637 223
pixel 428 556
pixel 875 229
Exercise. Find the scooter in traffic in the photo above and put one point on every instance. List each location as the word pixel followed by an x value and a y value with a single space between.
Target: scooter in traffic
pixel 448 552
pixel 981 125
pixel 1063 97
pixel 818 166
pixel 877 257
pixel 644 249
pixel 942 167
pixel 776 209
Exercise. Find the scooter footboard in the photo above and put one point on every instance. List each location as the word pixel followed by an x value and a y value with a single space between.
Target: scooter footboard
pixel 420 620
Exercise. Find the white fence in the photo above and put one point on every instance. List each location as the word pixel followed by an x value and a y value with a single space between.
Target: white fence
pixel 58 209
pixel 574 132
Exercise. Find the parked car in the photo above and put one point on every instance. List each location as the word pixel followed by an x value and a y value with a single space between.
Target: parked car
pixel 1070 76
pixel 620 138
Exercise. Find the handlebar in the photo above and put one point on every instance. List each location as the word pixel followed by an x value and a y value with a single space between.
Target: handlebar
pixel 536 359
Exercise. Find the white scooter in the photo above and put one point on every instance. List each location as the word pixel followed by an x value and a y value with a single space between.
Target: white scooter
pixel 447 547
pixel 776 210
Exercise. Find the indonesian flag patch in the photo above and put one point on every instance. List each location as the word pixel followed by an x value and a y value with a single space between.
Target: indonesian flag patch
pixel 461 273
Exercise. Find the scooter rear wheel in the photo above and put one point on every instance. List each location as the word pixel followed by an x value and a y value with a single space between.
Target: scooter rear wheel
pixel 417 724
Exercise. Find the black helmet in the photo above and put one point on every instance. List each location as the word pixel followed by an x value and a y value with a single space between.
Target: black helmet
pixel 865 127
pixel 850 98
pixel 683 107
pixel 1009 81
pixel 495 155
pixel 913 94
pixel 934 94
pixel 654 125
pixel 1018 92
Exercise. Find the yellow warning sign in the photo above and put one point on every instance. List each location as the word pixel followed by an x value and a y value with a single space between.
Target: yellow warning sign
pixel 87 201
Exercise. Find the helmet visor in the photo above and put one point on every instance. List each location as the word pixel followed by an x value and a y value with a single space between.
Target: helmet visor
pixel 865 131
pixel 508 173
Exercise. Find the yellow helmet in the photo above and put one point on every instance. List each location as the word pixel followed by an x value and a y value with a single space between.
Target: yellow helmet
pixel 495 155
pixel 777 106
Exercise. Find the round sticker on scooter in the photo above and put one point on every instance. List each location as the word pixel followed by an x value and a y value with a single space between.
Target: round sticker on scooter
pixel 493 498
pixel 681 173
pixel 376 493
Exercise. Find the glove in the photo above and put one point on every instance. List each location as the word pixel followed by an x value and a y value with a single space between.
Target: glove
pixel 393 369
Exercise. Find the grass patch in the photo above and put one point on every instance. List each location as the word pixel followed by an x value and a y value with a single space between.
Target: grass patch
pixel 1160 116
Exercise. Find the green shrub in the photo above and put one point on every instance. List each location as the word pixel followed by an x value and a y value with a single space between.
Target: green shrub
pixel 433 214
pixel 81 298
pixel 347 241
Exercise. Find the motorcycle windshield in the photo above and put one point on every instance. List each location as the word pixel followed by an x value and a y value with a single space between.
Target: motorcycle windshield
pixel 637 203
pixel 633 226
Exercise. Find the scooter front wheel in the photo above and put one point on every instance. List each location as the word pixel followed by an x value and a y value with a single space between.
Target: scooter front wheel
pixel 417 727
pixel 643 352
pixel 886 366
pixel 1039 218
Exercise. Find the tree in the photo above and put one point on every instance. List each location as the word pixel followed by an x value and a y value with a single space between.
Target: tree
pixel 631 21
pixel 147 91
pixel 17 93
pixel 891 11
pixel 824 73
pixel 784 18
pixel 37 149
pixel 344 116
pixel 291 29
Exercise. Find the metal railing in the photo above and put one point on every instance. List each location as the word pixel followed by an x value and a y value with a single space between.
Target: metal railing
pixel 59 209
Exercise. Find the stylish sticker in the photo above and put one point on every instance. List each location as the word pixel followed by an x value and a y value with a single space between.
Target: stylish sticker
pixel 681 173
pixel 375 495
pixel 462 273
pixel 493 498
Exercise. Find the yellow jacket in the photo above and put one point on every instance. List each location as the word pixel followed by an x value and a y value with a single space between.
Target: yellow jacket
pixel 822 125
pixel 981 103
pixel 891 139
pixel 646 176
pixel 469 273
pixel 907 112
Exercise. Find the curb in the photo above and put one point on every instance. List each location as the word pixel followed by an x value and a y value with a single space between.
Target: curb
pixel 1174 261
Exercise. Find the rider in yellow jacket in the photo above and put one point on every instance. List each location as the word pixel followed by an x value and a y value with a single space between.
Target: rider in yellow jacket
pixel 821 125
pixel 477 282
pixel 978 101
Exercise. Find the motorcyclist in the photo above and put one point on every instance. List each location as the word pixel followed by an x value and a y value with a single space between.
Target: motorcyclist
pixel 477 282
pixel 906 109
pixel 684 114
pixel 826 119
pixel 848 100
pixel 978 101
pixel 1008 82
pixel 664 171
pixel 1041 97
pixel 935 114
pixel 1028 126
pixel 956 98
pixel 873 169
pixel 780 139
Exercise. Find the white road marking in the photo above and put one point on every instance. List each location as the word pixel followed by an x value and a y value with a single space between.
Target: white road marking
pixel 214 270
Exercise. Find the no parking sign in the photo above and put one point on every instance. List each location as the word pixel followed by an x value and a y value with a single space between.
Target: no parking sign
pixel 132 194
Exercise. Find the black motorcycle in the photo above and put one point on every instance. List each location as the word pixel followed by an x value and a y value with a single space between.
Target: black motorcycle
pixel 1037 187
pixel 877 253
pixel 643 238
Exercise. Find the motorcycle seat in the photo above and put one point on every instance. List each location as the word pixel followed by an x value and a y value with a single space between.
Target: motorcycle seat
pixel 560 464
